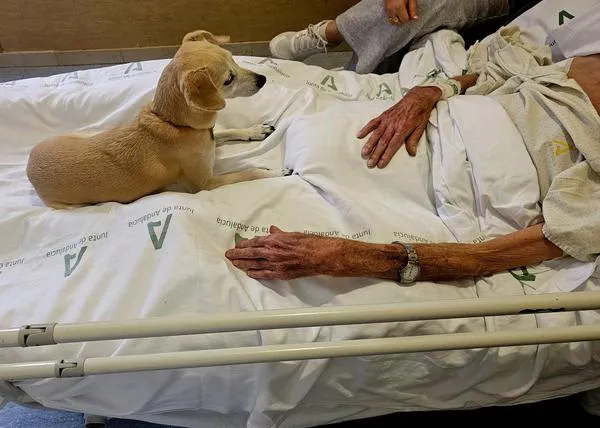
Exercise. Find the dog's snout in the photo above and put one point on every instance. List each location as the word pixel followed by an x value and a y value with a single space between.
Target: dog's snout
pixel 260 80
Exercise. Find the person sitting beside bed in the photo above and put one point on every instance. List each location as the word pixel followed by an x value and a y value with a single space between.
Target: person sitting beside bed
pixel 547 102
pixel 379 32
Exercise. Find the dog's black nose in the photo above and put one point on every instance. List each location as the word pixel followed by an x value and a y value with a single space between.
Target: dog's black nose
pixel 261 80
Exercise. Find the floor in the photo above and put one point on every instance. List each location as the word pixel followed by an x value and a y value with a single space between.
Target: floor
pixel 14 416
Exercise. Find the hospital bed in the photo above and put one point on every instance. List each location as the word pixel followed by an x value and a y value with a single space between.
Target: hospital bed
pixel 132 311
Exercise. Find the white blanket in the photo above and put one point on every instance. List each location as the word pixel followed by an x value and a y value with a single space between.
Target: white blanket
pixel 163 255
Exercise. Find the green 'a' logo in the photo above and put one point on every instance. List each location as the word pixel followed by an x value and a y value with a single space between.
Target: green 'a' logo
pixel 158 241
pixel 239 238
pixel 329 82
pixel 384 89
pixel 563 15
pixel 524 275
pixel 134 66
pixel 268 61
pixel 69 265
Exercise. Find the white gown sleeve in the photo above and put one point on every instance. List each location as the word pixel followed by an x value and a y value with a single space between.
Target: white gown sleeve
pixel 571 211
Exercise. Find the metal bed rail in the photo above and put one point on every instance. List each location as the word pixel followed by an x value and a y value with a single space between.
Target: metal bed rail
pixel 50 334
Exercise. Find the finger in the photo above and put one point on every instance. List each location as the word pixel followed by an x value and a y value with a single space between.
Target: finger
pixel 384 141
pixel 246 253
pixel 402 12
pixel 247 265
pixel 369 127
pixel 412 9
pixel 258 241
pixel 265 274
pixel 391 150
pixel 379 150
pixel 371 143
pixel 413 141
pixel 275 229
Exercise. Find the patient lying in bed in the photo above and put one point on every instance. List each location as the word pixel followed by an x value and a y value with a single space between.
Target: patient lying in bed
pixel 556 108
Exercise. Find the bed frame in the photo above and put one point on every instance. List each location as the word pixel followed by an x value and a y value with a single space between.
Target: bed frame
pixel 53 334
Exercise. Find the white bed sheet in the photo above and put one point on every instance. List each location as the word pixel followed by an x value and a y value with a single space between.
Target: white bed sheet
pixel 163 255
pixel 553 22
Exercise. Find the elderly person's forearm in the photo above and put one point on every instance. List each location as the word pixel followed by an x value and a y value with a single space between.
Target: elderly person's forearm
pixel 290 255
pixel 441 262
pixel 452 261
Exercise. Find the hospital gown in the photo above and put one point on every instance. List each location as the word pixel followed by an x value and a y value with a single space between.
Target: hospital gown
pixel 560 128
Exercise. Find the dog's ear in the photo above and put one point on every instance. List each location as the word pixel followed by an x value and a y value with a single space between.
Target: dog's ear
pixel 197 36
pixel 199 90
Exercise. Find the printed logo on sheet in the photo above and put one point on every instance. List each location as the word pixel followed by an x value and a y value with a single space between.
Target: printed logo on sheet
pixel 563 147
pixel 384 92
pixel 71 78
pixel 9 264
pixel 158 223
pixel 409 237
pixel 162 227
pixel 130 70
pixel 72 260
pixel 272 64
pixel 563 16
pixel 328 84
pixel 74 253
pixel 240 226
pixel 361 234
pixel 522 274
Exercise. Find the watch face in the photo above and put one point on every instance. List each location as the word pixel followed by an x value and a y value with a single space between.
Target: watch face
pixel 411 271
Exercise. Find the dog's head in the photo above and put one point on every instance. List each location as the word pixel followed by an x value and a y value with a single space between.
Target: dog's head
pixel 199 78
pixel 208 73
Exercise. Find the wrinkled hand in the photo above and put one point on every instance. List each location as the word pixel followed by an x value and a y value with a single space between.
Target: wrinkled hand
pixel 401 11
pixel 403 123
pixel 287 255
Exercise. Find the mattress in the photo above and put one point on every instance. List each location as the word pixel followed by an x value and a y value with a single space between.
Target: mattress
pixel 164 254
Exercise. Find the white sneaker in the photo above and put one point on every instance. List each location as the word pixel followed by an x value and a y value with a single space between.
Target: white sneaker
pixel 299 45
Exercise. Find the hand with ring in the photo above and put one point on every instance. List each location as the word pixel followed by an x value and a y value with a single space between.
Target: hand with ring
pixel 401 11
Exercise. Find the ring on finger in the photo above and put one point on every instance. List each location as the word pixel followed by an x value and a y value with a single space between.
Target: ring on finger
pixel 393 19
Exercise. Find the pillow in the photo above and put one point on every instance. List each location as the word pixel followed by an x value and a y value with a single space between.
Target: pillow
pixel 568 27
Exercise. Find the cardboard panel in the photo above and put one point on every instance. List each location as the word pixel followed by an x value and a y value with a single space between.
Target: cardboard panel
pixel 104 24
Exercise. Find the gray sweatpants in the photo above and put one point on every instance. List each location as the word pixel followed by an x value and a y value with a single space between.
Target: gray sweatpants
pixel 366 28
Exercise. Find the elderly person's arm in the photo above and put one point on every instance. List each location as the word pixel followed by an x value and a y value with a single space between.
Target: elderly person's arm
pixel 404 123
pixel 289 255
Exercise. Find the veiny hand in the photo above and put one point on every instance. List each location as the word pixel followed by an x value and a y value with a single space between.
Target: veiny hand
pixel 287 255
pixel 401 11
pixel 404 123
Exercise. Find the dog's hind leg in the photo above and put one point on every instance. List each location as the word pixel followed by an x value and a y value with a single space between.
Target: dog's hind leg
pixel 254 133
pixel 245 175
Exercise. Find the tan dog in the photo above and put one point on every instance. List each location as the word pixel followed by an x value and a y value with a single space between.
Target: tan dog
pixel 171 141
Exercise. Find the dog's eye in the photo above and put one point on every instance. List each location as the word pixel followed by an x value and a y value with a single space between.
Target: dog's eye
pixel 229 79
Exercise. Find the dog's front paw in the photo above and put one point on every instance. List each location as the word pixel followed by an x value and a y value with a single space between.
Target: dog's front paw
pixel 258 132
pixel 283 172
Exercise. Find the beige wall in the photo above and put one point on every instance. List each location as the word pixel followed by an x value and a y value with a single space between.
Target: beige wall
pixel 34 25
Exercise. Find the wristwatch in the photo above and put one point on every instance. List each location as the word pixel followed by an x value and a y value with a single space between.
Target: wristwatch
pixel 411 271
